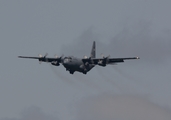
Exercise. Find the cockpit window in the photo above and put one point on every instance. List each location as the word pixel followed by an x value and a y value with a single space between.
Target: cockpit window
pixel 68 59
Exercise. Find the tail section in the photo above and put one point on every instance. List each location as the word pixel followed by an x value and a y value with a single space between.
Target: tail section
pixel 93 50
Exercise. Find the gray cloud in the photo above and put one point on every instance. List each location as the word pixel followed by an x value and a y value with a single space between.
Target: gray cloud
pixel 82 45
pixel 137 40
pixel 32 113
pixel 33 27
pixel 120 107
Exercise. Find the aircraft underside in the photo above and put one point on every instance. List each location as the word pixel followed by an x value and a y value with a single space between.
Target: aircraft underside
pixel 79 68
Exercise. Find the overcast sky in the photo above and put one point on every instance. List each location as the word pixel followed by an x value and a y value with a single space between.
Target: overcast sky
pixel 137 89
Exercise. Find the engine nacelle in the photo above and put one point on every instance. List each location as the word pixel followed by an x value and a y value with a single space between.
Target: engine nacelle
pixel 101 63
pixel 83 67
pixel 55 63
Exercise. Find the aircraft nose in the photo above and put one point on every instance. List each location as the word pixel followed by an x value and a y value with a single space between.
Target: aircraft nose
pixel 65 61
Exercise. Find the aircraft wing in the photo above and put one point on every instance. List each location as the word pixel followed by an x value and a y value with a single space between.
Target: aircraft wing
pixel 54 61
pixel 116 60
pixel 106 60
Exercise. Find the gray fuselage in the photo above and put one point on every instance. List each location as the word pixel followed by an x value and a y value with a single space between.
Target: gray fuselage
pixel 73 64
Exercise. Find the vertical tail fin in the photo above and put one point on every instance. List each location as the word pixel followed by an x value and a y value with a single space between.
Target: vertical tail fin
pixel 93 50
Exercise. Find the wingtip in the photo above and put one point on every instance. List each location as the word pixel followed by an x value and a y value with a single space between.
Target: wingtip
pixel 21 57
pixel 138 57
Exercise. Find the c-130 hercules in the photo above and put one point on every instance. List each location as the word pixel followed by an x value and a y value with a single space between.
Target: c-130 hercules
pixel 82 65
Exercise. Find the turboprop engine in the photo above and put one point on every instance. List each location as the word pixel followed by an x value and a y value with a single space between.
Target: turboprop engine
pixel 104 61
pixel 55 63
pixel 101 63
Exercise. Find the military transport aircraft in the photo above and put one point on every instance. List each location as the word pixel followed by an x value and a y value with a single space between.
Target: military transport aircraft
pixel 83 65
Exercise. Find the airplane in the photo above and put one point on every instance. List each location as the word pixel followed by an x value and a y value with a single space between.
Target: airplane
pixel 83 65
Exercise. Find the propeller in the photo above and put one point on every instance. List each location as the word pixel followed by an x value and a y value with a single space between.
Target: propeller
pixel 104 61
pixel 56 56
pixel 62 56
pixel 41 56
pixel 85 57
pixel 45 55
pixel 57 62
pixel 91 61
pixel 104 56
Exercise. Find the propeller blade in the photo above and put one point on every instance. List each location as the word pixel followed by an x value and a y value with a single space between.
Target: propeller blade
pixel 56 56
pixel 40 55
pixel 85 57
pixel 102 55
pixel 62 56
pixel 108 56
pixel 46 54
